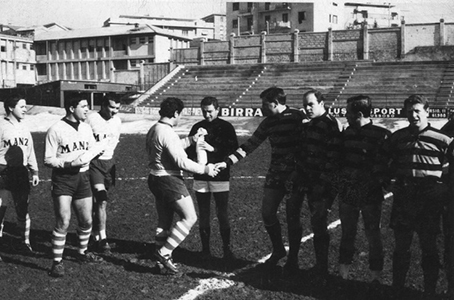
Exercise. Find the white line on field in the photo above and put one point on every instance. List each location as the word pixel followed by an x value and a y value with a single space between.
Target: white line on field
pixel 210 284
pixel 189 177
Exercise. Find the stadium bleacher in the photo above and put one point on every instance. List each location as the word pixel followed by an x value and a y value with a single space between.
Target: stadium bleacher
pixel 387 83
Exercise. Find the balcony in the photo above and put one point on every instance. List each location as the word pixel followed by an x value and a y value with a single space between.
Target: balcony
pixel 276 7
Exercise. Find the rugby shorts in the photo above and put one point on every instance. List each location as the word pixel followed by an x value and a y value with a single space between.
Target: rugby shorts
pixel 102 171
pixel 167 188
pixel 76 185
pixel 202 186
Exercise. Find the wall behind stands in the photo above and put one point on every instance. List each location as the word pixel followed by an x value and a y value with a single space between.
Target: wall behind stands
pixel 380 44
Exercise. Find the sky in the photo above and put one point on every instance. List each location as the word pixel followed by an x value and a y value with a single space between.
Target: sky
pixel 92 13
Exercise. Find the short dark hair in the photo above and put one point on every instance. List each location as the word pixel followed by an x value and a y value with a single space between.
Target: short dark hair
pixel 360 103
pixel 109 96
pixel 274 94
pixel 320 97
pixel 169 106
pixel 73 101
pixel 210 101
pixel 417 99
pixel 12 102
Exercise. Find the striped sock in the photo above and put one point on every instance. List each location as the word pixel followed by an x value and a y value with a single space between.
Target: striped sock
pixel 177 235
pixel 24 225
pixel 58 245
pixel 84 236
pixel 161 237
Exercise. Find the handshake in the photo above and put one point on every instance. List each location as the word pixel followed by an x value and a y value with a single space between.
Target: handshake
pixel 213 169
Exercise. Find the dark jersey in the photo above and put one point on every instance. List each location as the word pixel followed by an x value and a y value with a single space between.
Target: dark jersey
pixel 222 136
pixel 319 146
pixel 282 131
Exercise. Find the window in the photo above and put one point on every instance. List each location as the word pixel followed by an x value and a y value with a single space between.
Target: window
pixel 24 46
pixel 99 49
pixel 18 66
pixel 249 6
pixel 185 32
pixel 31 47
pixel 24 67
pixel 142 40
pixel 2 48
pixel 234 23
pixel 249 23
pixel 133 40
pixel 301 16
pixel 235 6
pixel 32 67
pixel 284 17
pixel 267 19
pixel 267 6
pixel 106 48
pixel 365 14
pixel 91 48
pixel 334 19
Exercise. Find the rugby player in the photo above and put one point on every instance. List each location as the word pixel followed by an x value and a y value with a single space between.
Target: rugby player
pixel 418 153
pixel 281 127
pixel 105 125
pixel 17 157
pixel 167 160
pixel 69 148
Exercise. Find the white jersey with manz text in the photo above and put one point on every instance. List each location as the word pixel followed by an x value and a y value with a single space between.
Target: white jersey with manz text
pixel 105 129
pixel 16 134
pixel 64 144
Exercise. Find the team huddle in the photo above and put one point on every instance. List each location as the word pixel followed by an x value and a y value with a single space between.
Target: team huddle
pixel 313 158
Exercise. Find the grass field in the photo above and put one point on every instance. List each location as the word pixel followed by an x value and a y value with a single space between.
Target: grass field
pixel 127 273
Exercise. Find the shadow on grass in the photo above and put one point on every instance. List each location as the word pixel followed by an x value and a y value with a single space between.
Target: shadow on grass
pixel 305 283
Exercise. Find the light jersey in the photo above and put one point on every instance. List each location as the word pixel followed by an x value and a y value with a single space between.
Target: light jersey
pixel 103 129
pixel 64 143
pixel 16 134
pixel 166 153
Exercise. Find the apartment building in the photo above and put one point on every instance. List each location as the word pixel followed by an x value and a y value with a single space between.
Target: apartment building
pixel 95 54
pixel 190 28
pixel 245 18
pixel 374 15
pixel 17 61
pixel 218 22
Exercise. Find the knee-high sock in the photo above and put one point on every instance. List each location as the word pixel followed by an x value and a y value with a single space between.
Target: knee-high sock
pixel 24 226
pixel 2 217
pixel 58 245
pixel 84 236
pixel 177 235
pixel 274 231
pixel 160 237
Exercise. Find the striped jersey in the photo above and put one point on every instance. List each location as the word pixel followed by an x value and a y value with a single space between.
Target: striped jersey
pixel 319 145
pixel 282 131
pixel 66 141
pixel 362 151
pixel 166 154
pixel 16 134
pixel 419 154
pixel 105 129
